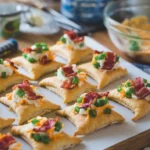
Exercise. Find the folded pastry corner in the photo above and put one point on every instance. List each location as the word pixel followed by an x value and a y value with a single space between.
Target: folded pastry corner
pixel 37 60
pixel 135 95
pixel 72 47
pixel 69 83
pixel 104 68
pixel 43 133
pixel 26 102
pixel 91 112
pixel 5 122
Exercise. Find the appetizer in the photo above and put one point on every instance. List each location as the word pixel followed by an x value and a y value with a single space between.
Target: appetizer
pixel 37 60
pixel 8 74
pixel 72 47
pixel 5 122
pixel 135 95
pixel 91 112
pixel 26 101
pixel 7 142
pixel 45 134
pixel 69 83
pixel 104 68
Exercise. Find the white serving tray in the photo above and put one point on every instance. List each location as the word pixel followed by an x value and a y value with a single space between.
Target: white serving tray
pixel 107 136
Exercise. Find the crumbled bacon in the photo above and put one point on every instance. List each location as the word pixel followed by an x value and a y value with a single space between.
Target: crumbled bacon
pixel 27 50
pixel 109 61
pixel 138 84
pixel 67 84
pixel 143 92
pixel 97 52
pixel 44 60
pixel 11 63
pixel 68 71
pixel 46 126
pixel 6 141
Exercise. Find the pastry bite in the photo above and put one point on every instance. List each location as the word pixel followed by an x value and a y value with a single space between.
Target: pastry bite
pixel 8 74
pixel 5 122
pixel 26 101
pixel 91 112
pixel 69 83
pixel 135 95
pixel 37 60
pixel 72 48
pixel 8 142
pixel 104 68
pixel 45 134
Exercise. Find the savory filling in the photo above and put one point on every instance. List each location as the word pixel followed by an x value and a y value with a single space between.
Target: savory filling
pixel 7 68
pixel 72 41
pixel 39 52
pixel 71 76
pixel 105 60
pixel 44 130
pixel 7 142
pixel 136 89
pixel 25 94
pixel 93 104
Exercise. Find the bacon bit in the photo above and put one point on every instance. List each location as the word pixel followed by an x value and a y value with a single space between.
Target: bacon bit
pixel 27 50
pixel 143 92
pixel 97 52
pixel 138 83
pixel 9 96
pixel 68 71
pixel 59 43
pixel 67 84
pixel 69 47
pixel 44 60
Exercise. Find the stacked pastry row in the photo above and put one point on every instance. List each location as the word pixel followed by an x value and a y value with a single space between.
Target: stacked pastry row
pixel 91 110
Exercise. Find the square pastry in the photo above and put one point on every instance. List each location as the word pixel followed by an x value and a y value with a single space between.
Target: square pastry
pixel 69 83
pixel 104 68
pixel 5 122
pixel 26 101
pixel 135 95
pixel 91 112
pixel 8 74
pixel 8 142
pixel 37 60
pixel 72 48
pixel 45 134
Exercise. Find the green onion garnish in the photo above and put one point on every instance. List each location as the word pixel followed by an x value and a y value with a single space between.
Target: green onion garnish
pixel 96 65
pixel 107 111
pixel 20 93
pixel 92 113
pixel 3 75
pixel 58 126
pixel 75 80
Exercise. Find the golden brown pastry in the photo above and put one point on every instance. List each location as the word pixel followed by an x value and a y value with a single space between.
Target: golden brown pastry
pixel 69 83
pixel 104 68
pixel 8 74
pixel 73 48
pixel 26 102
pixel 5 122
pixel 7 142
pixel 91 112
pixel 135 95
pixel 45 134
pixel 37 60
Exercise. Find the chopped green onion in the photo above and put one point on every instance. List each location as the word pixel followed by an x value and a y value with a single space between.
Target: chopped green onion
pixel 63 39
pixel 43 44
pixel 24 55
pixel 81 45
pixel 148 85
pixel 75 80
pixel 45 48
pixel 92 113
pixel 45 138
pixel 133 46
pixel 38 51
pixel 100 102
pixel 119 89
pixel 78 71
pixel 38 45
pixel 145 80
pixel 128 94
pixel 34 121
pixel 58 126
pixel 96 65
pixel 127 84
pixel 1 61
pixel 56 73
pixel 3 75
pixel 77 109
pixel 100 56
pixel 20 93
pixel 107 111
pixel 79 100
pixel 117 58
pixel 31 60
pixel 36 137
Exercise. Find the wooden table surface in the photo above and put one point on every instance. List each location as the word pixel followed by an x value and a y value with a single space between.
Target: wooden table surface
pixel 135 143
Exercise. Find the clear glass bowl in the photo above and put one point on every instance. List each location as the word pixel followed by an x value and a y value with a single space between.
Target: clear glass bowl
pixel 133 42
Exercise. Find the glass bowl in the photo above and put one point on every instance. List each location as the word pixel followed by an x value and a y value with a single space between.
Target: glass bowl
pixel 135 42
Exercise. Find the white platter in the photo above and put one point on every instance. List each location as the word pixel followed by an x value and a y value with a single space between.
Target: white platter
pixel 105 137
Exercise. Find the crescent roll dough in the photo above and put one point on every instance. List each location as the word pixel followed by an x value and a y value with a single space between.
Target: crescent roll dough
pixel 103 77
pixel 36 70
pixel 61 142
pixel 53 84
pixel 28 111
pixel 6 122
pixel 140 107
pixel 86 124
pixel 73 56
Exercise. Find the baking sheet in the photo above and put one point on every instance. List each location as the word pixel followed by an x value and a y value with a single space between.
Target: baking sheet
pixel 107 136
